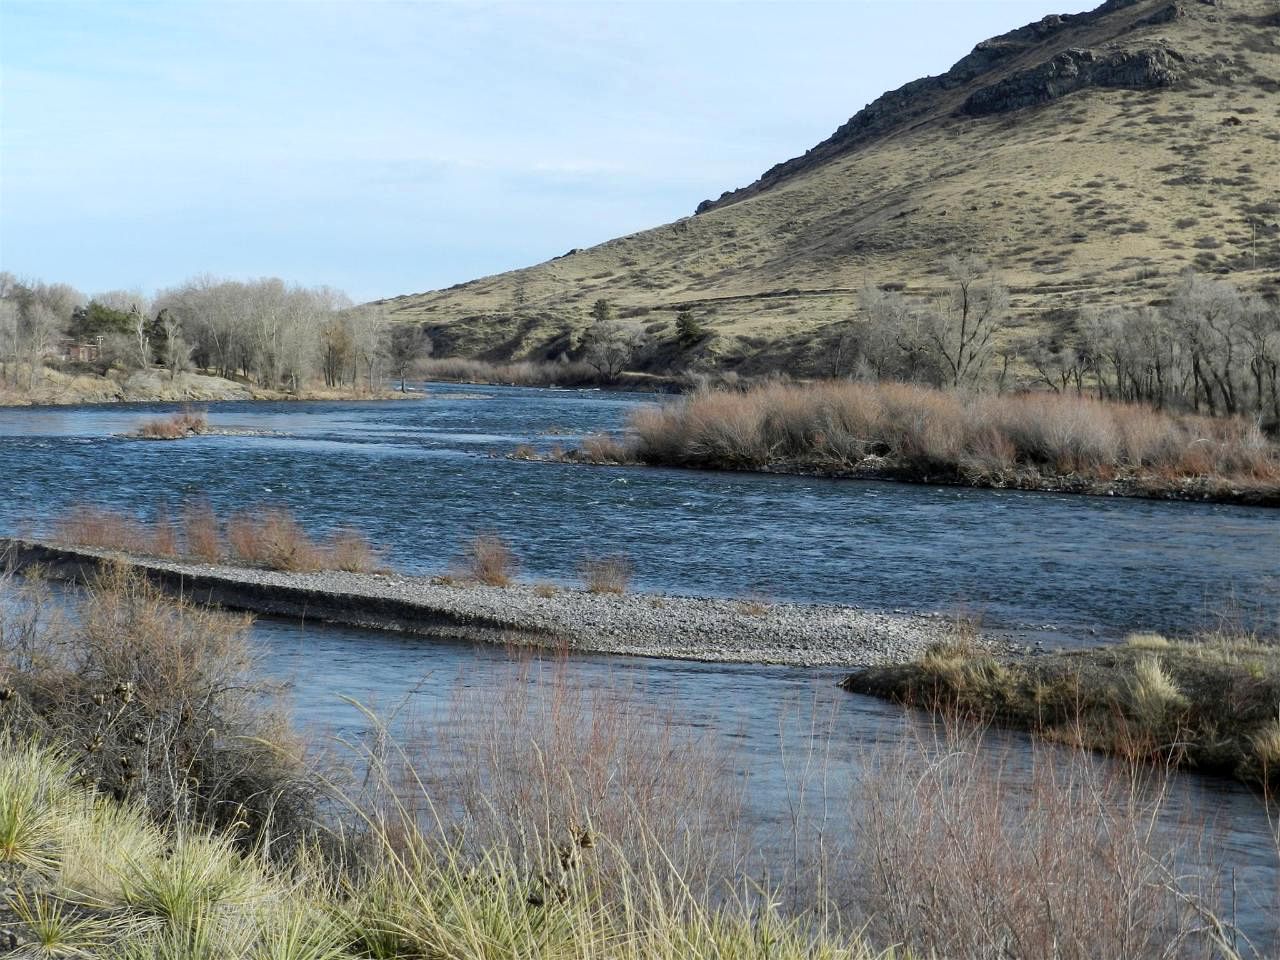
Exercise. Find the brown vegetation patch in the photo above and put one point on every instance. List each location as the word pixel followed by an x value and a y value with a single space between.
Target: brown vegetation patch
pixel 157 699
pixel 267 537
pixel 608 574
pixel 910 432
pixel 188 423
pixel 488 559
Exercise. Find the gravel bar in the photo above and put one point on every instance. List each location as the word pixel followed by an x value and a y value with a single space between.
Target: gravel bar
pixel 636 624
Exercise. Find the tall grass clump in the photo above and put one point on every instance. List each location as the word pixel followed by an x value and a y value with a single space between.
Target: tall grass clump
pixel 914 432
pixel 201 532
pixel 606 574
pixel 104 529
pixel 272 538
pixel 1154 695
pixel 489 560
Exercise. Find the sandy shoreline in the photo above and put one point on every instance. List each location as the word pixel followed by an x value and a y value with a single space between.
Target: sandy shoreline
pixel 677 627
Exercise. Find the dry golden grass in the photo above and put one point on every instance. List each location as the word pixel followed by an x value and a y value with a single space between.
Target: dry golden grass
pixel 268 537
pixel 187 423
pixel 89 526
pixel 1100 198
pixel 920 433
pixel 201 532
pixel 608 574
pixel 488 559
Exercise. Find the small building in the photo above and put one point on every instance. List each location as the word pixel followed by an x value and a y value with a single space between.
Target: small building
pixel 80 351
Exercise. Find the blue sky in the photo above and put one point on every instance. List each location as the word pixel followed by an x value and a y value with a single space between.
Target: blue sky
pixel 388 148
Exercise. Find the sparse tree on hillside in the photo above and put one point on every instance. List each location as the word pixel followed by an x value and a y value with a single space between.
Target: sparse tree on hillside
pixel 965 320
pixel 690 331
pixel 602 311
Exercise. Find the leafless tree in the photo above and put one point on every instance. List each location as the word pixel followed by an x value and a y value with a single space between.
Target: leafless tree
pixel 966 318
pixel 407 343
pixel 608 346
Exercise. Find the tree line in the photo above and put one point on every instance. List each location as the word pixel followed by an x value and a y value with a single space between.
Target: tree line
pixel 265 331
pixel 1209 347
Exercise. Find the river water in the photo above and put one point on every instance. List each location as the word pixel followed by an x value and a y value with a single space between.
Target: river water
pixel 421 476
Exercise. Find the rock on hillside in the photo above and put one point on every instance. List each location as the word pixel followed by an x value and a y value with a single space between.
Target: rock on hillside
pixel 1090 157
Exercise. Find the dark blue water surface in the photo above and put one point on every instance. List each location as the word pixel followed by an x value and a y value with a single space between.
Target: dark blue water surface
pixel 421 476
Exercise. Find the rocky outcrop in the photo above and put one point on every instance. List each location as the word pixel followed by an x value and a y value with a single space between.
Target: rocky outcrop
pixel 1142 69
pixel 1033 64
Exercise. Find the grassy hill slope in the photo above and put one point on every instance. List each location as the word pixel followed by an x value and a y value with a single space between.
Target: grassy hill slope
pixel 1090 158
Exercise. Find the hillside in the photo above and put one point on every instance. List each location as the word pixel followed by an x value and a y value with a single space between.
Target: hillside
pixel 1091 158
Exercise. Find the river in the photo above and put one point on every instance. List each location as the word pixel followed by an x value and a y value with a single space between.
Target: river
pixel 421 476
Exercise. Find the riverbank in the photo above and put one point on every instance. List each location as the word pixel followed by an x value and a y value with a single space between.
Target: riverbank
pixel 690 628
pixel 891 431
pixel 158 804
pixel 1210 703
pixel 55 388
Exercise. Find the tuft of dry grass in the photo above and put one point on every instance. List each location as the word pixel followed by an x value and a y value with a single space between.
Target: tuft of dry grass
pixel 1153 693
pixel 350 550
pixel 488 559
pixel 601 448
pixel 268 537
pixel 1147 641
pixel 201 532
pixel 1266 746
pixel 272 538
pixel 545 590
pixel 607 574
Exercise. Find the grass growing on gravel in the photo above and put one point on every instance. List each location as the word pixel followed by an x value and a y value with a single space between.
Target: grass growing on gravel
pixel 267 537
pixel 1210 703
